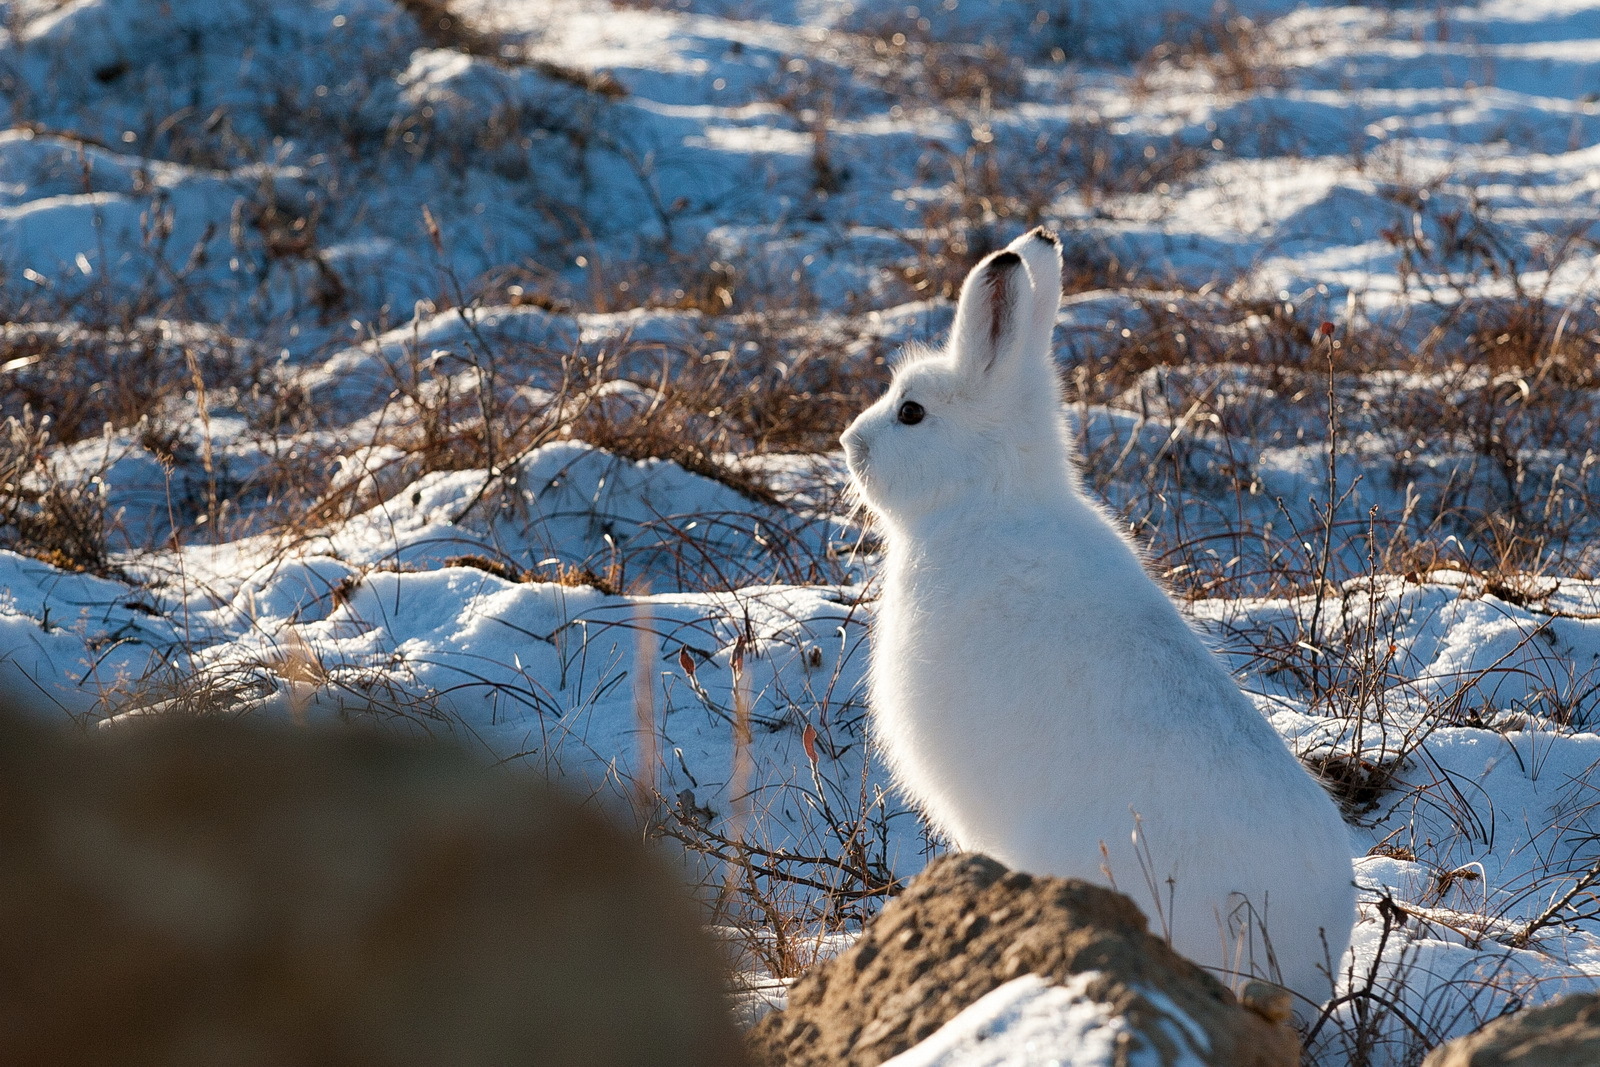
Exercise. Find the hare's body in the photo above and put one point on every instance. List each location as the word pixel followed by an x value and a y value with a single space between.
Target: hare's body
pixel 1041 697
pixel 1109 711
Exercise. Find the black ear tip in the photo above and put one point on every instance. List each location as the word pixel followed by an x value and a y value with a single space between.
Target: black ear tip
pixel 1041 233
pixel 1005 260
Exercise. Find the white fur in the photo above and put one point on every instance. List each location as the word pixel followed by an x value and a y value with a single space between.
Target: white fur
pixel 1034 689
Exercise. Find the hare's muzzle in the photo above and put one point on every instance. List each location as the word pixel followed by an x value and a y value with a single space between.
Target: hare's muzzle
pixel 855 449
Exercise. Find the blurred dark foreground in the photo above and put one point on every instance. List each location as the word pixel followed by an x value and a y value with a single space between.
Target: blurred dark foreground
pixel 210 893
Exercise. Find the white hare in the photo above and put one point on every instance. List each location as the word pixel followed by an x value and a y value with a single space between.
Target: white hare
pixel 1040 696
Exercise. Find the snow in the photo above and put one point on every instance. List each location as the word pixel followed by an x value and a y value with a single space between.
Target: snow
pixel 161 150
pixel 1028 1021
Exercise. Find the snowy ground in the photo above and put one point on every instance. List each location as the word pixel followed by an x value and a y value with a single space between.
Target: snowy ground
pixel 480 373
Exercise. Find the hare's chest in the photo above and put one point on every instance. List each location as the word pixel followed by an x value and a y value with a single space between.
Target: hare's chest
pixel 929 630
pixel 950 656
pixel 943 624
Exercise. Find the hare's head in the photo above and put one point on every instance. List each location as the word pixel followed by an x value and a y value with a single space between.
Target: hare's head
pixel 980 421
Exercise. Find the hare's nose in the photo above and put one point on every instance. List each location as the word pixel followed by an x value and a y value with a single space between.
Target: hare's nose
pixel 855 448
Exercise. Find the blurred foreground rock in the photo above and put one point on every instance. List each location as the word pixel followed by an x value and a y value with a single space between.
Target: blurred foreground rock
pixel 1565 1033
pixel 968 926
pixel 209 893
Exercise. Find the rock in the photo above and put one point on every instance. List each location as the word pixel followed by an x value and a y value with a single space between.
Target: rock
pixel 968 926
pixel 202 892
pixel 1563 1033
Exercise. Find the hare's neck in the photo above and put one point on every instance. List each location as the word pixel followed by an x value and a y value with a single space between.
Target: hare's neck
pixel 1043 474
pixel 976 522
pixel 1037 480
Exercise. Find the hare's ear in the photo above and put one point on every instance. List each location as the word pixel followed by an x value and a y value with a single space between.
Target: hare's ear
pixel 994 315
pixel 1041 251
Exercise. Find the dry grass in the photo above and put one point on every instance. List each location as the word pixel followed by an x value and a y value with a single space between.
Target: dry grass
pixel 58 520
pixel 1229 48
pixel 907 61
pixel 83 378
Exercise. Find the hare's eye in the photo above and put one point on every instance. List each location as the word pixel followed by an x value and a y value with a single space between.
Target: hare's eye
pixel 910 413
